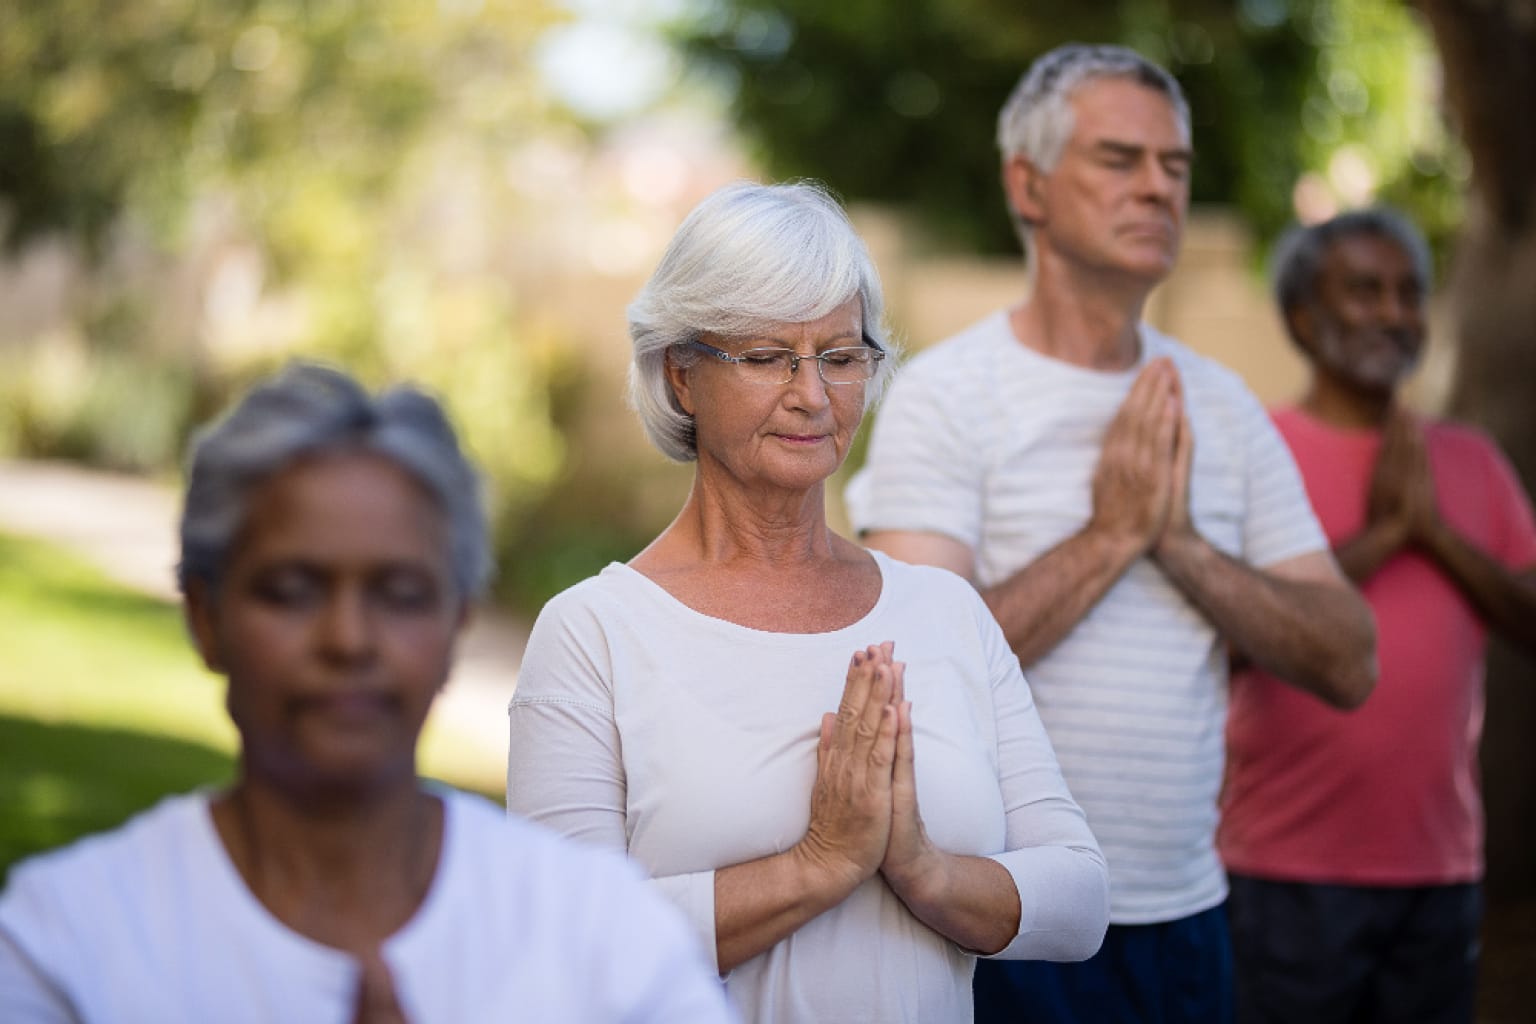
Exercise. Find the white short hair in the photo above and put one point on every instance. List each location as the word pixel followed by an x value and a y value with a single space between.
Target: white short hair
pixel 747 258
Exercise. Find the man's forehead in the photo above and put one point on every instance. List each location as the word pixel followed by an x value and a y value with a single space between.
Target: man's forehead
pixel 1369 251
pixel 1124 112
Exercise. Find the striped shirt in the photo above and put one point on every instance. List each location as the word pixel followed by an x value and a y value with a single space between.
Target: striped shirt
pixel 987 441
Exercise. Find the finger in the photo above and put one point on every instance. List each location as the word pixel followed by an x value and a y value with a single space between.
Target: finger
pixel 904 773
pixel 898 682
pixel 862 735
pixel 1184 450
pixel 856 689
pixel 1139 399
pixel 879 700
pixel 883 753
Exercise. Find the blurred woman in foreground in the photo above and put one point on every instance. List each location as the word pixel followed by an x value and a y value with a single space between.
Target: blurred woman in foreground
pixel 332 542
pixel 843 866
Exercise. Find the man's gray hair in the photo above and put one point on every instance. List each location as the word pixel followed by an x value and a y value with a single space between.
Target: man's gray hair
pixel 308 410
pixel 748 258
pixel 1036 122
pixel 1298 257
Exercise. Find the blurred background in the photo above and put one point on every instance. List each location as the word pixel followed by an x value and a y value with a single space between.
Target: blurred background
pixel 466 193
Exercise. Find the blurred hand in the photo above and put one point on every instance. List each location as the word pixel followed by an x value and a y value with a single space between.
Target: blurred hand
pixel 1402 493
pixel 1179 525
pixel 376 1000
pixel 1133 482
pixel 850 822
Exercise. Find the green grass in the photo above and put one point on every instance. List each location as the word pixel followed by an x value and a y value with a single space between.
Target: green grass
pixel 105 708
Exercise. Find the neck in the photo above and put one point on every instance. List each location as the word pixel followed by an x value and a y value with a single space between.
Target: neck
pixel 1097 338
pixel 727 524
pixel 1341 406
pixel 1089 323
pixel 346 872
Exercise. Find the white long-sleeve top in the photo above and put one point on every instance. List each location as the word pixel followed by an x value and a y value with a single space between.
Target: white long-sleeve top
pixel 152 922
pixel 642 725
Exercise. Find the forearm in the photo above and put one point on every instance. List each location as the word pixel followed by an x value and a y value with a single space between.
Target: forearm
pixel 971 901
pixel 1316 635
pixel 1506 600
pixel 1044 601
pixel 758 903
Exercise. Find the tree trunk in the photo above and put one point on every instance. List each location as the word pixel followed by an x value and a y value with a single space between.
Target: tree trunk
pixel 1488 53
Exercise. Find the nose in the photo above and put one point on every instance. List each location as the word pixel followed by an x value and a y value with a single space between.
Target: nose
pixel 805 382
pixel 1155 180
pixel 1399 309
pixel 345 631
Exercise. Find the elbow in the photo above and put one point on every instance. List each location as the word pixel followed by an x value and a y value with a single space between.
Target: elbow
pixel 1081 941
pixel 1355 669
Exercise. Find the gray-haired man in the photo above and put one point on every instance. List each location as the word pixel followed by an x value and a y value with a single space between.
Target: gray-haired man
pixel 1128 511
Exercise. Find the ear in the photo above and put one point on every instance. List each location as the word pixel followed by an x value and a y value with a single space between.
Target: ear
pixel 200 609
pixel 1301 322
pixel 677 377
pixel 1022 182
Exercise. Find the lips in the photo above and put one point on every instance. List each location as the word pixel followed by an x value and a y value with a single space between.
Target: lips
pixel 350 707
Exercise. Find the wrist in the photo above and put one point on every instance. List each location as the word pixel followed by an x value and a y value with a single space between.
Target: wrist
pixel 824 877
pixel 1179 547
pixel 920 882
pixel 1115 546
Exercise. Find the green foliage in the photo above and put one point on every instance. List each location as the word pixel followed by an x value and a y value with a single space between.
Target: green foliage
pixel 349 161
pixel 105 708
pixel 67 780
pixel 115 410
pixel 897 102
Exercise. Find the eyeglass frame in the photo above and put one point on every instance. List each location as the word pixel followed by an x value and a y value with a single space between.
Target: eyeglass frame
pixel 795 358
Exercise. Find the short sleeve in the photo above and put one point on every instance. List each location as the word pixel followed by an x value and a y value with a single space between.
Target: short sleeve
pixel 1514 527
pixel 925 470
pixel 1278 522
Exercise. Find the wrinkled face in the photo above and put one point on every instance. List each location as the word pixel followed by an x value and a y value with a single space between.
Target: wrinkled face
pixel 1115 201
pixel 334 622
pixel 1365 329
pixel 788 437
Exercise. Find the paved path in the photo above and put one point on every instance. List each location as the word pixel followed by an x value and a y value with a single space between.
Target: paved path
pixel 126 525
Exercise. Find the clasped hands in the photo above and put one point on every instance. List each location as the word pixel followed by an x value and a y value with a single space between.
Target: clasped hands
pixel 1402 492
pixel 1141 483
pixel 864 814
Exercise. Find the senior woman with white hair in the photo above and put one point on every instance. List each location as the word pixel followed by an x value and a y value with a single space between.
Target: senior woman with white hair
pixel 332 543
pixel 841 866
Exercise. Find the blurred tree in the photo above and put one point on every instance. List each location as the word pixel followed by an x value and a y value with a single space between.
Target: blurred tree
pixel 1489 54
pixel 246 180
pixel 897 101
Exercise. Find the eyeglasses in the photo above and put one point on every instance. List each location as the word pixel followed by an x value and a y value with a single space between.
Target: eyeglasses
pixel 853 364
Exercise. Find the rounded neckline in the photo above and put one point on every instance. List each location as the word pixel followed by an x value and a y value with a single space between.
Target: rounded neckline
pixel 882 564
pixel 1106 377
pixel 1362 436
pixel 258 911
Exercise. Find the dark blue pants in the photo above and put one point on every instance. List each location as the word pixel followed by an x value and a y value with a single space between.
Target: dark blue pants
pixel 1179 972
pixel 1346 954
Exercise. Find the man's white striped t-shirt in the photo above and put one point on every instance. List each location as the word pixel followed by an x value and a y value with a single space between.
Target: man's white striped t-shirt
pixel 989 442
